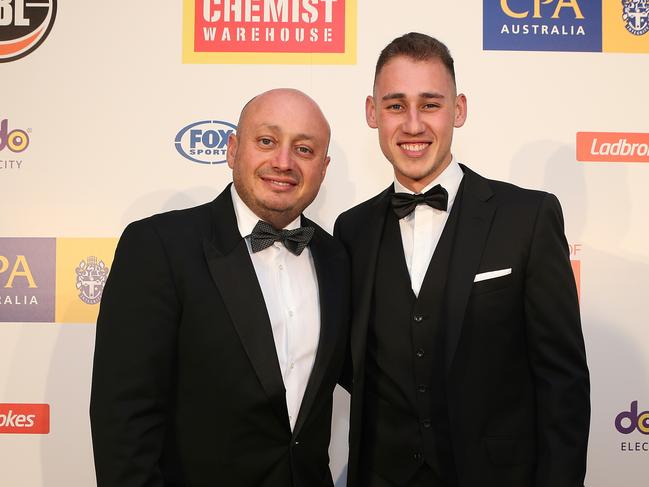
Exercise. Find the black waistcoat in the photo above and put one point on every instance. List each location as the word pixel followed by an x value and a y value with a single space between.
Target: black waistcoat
pixel 405 421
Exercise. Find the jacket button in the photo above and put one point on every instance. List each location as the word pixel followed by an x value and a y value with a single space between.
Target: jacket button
pixel 418 457
pixel 418 318
pixel 426 423
pixel 296 443
pixel 422 388
pixel 419 353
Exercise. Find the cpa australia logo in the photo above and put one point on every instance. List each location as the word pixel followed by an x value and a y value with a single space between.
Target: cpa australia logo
pixel 91 277
pixel 636 16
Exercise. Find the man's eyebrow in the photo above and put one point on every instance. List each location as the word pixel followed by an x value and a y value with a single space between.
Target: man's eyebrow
pixel 399 96
pixel 277 128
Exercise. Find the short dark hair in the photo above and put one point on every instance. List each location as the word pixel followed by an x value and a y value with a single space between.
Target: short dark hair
pixel 418 47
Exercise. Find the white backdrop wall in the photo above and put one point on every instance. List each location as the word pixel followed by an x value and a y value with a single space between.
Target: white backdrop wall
pixel 105 95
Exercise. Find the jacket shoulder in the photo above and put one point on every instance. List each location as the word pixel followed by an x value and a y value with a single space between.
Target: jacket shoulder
pixel 353 217
pixel 172 225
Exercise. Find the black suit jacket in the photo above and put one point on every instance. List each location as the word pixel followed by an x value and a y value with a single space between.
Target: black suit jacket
pixel 516 373
pixel 186 388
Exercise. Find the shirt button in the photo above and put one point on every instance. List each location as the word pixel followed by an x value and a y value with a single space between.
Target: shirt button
pixel 419 353
pixel 292 365
pixel 426 423
pixel 418 318
pixel 290 313
pixel 281 267
pixel 421 388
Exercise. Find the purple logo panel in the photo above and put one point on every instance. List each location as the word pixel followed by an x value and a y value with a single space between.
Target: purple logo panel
pixel 27 279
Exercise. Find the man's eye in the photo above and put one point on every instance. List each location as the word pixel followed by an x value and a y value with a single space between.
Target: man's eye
pixel 304 150
pixel 431 106
pixel 395 106
pixel 265 141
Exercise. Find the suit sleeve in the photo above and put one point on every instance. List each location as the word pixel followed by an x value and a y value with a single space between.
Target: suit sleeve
pixel 346 376
pixel 557 354
pixel 134 363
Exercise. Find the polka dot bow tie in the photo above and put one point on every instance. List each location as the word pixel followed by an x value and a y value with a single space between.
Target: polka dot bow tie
pixel 264 235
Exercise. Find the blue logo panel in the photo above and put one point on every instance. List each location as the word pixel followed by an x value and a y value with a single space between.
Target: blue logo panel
pixel 542 25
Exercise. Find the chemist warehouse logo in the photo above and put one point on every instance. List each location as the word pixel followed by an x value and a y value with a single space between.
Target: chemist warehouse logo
pixel 31 419
pixel 269 31
pixel 566 25
pixel 24 25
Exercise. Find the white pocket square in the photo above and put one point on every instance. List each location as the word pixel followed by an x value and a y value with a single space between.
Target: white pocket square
pixel 483 276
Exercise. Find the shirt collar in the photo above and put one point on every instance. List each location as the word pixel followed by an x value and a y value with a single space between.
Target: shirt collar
pixel 246 218
pixel 449 179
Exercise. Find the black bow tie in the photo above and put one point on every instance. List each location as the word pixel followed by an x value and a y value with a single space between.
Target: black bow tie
pixel 405 203
pixel 264 235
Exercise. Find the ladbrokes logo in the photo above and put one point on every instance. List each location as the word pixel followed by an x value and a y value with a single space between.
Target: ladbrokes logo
pixel 612 147
pixel 269 31
pixel 566 25
pixel 31 419
pixel 205 142
pixel 24 25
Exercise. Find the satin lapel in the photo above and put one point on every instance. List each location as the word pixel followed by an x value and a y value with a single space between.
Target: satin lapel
pixel 234 275
pixel 476 214
pixel 329 274
pixel 365 252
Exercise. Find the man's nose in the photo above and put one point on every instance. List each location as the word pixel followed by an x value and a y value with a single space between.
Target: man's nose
pixel 413 123
pixel 283 160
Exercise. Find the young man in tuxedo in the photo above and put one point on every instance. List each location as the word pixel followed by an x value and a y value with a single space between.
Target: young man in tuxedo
pixel 223 328
pixel 469 367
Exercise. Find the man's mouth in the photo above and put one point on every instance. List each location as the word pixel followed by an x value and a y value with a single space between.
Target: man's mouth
pixel 280 183
pixel 414 147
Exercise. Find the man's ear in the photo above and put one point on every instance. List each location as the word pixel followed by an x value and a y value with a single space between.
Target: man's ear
pixel 370 112
pixel 460 110
pixel 232 149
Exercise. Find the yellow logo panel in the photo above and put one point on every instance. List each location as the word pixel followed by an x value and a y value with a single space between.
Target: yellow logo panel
pixel 625 26
pixel 82 266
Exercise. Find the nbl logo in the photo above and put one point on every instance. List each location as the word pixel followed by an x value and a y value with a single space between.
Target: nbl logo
pixel 15 140
pixel 636 16
pixel 24 25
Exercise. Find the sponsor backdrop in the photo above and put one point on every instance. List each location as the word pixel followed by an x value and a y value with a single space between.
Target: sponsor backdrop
pixel 112 111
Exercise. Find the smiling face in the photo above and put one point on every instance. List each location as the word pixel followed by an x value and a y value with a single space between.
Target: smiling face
pixel 279 154
pixel 415 109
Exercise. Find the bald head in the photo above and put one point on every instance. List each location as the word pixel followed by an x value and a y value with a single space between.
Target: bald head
pixel 284 99
pixel 279 154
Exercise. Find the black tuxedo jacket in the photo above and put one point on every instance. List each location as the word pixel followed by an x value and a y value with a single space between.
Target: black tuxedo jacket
pixel 516 373
pixel 186 388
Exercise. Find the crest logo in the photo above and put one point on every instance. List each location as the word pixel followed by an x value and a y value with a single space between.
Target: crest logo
pixel 635 14
pixel 24 26
pixel 91 277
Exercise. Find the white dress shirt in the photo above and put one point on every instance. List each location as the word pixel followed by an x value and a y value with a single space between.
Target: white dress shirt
pixel 421 229
pixel 290 288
